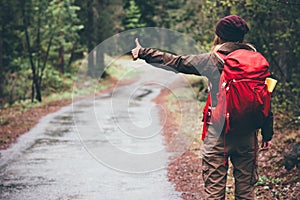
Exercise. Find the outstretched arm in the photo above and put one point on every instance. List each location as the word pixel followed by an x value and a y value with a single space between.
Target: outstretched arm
pixel 191 64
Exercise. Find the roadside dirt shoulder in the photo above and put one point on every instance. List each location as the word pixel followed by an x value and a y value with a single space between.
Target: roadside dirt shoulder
pixel 184 169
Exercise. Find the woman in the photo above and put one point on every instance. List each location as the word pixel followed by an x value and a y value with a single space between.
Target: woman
pixel 241 150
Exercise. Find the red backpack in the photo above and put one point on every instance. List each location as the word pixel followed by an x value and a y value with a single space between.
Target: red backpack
pixel 243 101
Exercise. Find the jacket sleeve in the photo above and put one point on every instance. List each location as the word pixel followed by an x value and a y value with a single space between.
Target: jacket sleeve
pixel 267 130
pixel 201 64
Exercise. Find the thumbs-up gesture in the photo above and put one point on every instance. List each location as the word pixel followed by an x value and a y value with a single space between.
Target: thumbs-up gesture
pixel 135 51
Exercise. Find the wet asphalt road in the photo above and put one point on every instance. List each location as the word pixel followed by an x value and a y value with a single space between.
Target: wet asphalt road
pixel 105 148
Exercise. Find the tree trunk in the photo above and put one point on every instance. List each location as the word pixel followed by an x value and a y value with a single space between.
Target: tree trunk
pixel 90 37
pixel 72 56
pixel 61 61
pixel 100 69
pixel 1 63
pixel 35 79
pixel 46 57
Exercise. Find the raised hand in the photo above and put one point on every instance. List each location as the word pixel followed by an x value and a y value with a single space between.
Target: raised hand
pixel 135 51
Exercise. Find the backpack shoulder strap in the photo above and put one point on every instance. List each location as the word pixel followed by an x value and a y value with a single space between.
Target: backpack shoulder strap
pixel 220 52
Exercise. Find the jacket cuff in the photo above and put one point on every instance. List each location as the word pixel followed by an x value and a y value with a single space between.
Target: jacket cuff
pixel 141 53
pixel 267 130
pixel 267 139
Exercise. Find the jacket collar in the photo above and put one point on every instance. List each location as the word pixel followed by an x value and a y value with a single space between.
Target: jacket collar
pixel 229 47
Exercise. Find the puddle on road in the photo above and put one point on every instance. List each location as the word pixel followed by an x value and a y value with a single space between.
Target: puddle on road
pixel 144 93
pixel 63 120
pixel 42 142
pixel 59 132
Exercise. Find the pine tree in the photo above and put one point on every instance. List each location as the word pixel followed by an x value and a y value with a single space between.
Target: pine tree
pixel 133 15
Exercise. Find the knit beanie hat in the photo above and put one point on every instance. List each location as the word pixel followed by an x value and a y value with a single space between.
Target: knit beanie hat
pixel 231 28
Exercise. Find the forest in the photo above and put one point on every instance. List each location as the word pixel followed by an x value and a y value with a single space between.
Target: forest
pixel 42 40
pixel 43 44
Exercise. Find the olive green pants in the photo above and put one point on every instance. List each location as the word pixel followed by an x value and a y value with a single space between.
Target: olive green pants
pixel 241 148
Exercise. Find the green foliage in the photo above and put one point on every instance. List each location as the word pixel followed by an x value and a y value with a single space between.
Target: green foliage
pixel 10 45
pixel 65 25
pixel 17 85
pixel 156 12
pixel 133 16
pixel 55 82
pixel 46 34
pixel 53 27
